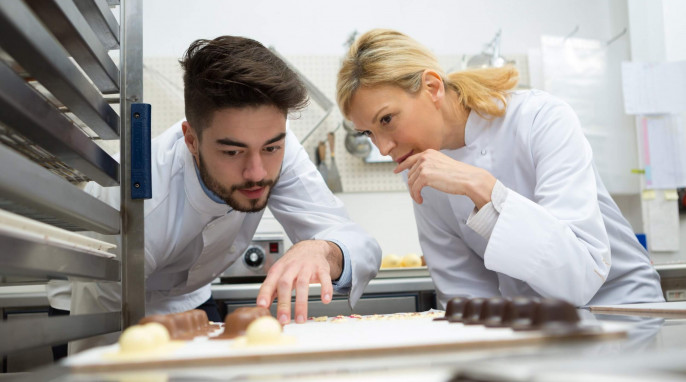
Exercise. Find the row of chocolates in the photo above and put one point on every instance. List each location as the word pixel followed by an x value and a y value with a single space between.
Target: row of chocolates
pixel 518 313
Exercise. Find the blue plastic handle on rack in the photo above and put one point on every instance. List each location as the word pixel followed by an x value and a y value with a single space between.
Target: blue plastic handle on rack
pixel 141 179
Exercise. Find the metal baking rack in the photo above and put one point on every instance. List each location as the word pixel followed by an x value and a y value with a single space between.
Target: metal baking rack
pixel 59 90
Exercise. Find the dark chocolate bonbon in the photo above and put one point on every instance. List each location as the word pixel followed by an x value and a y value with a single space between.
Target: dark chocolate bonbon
pixel 518 313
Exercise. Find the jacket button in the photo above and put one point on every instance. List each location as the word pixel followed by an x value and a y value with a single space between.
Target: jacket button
pixel 483 152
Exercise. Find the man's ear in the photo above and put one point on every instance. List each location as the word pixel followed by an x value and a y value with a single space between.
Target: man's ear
pixel 433 84
pixel 191 138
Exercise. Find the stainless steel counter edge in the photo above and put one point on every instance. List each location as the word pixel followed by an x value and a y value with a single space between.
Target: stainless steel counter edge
pixel 249 291
pixel 671 270
pixel 35 295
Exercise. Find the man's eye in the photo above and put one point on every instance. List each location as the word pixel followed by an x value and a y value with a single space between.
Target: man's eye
pixel 272 149
pixel 231 153
pixel 386 119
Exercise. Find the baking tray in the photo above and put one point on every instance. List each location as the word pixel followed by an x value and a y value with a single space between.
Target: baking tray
pixel 21 227
pixel 338 338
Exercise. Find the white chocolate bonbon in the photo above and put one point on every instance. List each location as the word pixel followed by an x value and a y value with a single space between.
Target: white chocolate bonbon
pixel 390 261
pixel 411 260
pixel 264 330
pixel 143 338
pixel 158 331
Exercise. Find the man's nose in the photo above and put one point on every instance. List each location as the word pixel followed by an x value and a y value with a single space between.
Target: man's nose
pixel 254 168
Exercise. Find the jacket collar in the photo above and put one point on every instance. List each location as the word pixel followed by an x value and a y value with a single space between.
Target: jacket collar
pixel 194 189
pixel 208 192
pixel 473 128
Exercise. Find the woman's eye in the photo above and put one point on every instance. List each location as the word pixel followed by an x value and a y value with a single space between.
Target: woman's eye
pixel 386 119
pixel 365 133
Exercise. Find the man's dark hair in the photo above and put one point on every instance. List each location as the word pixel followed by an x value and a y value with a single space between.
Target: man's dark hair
pixel 237 72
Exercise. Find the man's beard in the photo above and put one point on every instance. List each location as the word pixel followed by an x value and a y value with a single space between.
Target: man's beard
pixel 227 194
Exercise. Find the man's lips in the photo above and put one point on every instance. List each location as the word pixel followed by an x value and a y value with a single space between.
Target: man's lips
pixel 252 193
pixel 402 158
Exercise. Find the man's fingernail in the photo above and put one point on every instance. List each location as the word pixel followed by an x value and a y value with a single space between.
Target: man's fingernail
pixel 327 297
pixel 300 319
pixel 283 319
pixel 261 302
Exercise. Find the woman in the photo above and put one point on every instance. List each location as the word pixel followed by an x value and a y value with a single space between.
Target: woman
pixel 507 199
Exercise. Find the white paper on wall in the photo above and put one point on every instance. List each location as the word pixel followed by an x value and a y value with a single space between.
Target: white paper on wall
pixel 663 148
pixel 663 223
pixel 654 88
pixel 585 74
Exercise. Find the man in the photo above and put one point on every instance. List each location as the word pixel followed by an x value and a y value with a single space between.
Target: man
pixel 214 174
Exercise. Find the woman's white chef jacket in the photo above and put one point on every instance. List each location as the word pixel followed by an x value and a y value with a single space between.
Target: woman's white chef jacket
pixel 190 239
pixel 559 234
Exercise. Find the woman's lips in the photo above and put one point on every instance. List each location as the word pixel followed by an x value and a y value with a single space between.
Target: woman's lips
pixel 402 158
pixel 252 193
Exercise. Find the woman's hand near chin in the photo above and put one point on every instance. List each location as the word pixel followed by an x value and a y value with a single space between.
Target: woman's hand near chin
pixel 437 170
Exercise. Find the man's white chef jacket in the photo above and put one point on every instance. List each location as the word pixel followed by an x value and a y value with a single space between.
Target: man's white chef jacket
pixel 191 239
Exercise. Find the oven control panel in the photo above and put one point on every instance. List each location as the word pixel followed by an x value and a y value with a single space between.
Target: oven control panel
pixel 254 263
pixel 254 257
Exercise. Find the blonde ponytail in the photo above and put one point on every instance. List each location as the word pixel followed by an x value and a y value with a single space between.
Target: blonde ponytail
pixel 484 90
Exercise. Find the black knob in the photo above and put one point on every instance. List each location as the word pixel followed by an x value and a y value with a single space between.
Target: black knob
pixel 253 257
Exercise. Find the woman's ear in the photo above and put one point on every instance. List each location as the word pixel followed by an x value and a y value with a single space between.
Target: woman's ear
pixel 433 84
pixel 191 138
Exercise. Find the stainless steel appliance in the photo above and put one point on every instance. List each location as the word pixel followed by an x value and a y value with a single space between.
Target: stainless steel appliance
pixel 255 261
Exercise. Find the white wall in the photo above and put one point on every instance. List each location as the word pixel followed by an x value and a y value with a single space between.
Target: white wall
pixel 674 12
pixel 301 27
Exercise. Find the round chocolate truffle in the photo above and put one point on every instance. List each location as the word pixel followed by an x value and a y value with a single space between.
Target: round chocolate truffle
pixel 237 322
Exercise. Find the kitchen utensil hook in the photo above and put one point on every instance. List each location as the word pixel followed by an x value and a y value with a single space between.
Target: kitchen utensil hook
pixel 572 33
pixel 616 37
pixel 351 39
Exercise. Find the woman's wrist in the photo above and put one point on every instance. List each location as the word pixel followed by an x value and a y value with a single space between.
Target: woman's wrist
pixel 482 188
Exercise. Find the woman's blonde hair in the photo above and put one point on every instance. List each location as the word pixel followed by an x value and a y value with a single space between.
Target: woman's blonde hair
pixel 387 57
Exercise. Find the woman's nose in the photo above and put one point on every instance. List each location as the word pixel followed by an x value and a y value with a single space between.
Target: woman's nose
pixel 384 144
